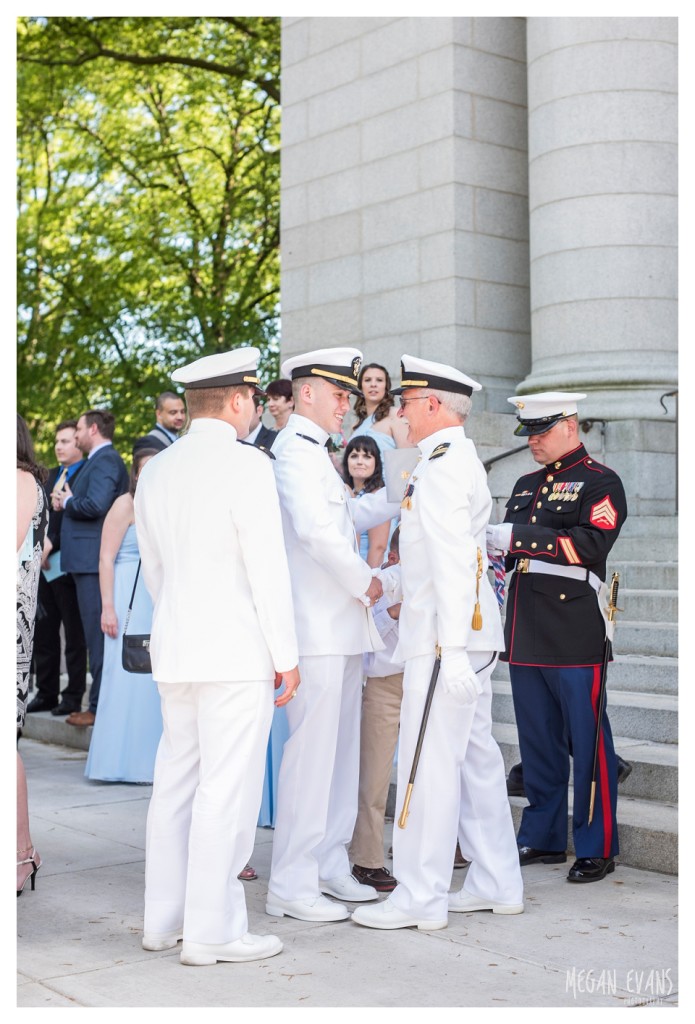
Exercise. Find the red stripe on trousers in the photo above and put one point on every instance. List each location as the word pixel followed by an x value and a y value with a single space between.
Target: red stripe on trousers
pixel 603 774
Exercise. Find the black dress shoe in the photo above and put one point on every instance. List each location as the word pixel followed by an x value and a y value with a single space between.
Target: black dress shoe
pixel 380 879
pixel 42 703
pixel 529 855
pixel 64 708
pixel 624 769
pixel 515 781
pixel 590 869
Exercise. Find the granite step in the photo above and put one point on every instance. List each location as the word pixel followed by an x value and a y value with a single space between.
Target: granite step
pixel 640 674
pixel 641 716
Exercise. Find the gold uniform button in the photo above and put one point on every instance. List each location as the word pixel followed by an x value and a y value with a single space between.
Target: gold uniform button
pixel 589 461
pixel 534 545
pixel 533 519
pixel 557 465
pixel 562 597
pixel 518 544
pixel 558 507
pixel 544 490
pixel 516 507
pixel 550 547
pixel 550 478
pixel 539 504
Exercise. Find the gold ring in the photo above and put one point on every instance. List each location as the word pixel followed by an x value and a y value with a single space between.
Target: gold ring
pixel 294 694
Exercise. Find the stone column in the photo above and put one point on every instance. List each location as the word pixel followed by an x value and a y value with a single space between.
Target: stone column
pixel 404 192
pixel 603 216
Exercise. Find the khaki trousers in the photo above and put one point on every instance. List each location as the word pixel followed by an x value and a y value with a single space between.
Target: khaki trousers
pixel 381 713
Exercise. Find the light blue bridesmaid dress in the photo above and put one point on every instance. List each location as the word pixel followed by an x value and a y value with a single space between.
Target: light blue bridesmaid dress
pixel 128 725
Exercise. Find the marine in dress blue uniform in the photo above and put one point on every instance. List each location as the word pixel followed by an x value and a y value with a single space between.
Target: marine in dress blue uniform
pixel 563 521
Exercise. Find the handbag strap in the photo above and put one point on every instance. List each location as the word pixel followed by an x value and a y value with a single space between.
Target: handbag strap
pixel 132 598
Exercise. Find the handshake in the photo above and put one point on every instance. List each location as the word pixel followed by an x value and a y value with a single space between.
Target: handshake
pixel 386 580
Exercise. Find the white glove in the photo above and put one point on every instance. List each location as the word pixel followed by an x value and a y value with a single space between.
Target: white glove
pixel 391 582
pixel 457 676
pixel 498 538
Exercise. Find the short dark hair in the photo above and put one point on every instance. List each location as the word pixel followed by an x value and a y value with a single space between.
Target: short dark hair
pixel 211 401
pixel 279 389
pixel 165 397
pixel 105 421
pixel 66 425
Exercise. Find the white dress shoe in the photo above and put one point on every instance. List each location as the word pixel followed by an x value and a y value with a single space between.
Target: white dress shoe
pixel 463 902
pixel 318 908
pixel 386 915
pixel 165 940
pixel 248 947
pixel 348 888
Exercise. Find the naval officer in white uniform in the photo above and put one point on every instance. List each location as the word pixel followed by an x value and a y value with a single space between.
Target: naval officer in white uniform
pixel 333 590
pixel 210 536
pixel 449 604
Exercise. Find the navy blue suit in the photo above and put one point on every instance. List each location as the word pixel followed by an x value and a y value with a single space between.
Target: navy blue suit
pixel 102 479
pixel 58 606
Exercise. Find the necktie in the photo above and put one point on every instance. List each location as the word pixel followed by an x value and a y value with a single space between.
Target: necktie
pixel 62 477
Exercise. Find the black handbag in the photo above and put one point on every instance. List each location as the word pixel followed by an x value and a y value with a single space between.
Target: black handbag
pixel 135 651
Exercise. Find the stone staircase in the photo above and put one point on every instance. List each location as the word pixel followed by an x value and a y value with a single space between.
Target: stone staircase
pixel 642 694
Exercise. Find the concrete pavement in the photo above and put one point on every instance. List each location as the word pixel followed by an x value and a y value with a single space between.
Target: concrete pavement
pixel 608 944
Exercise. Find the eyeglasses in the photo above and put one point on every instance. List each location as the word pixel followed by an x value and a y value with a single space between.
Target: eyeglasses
pixel 420 398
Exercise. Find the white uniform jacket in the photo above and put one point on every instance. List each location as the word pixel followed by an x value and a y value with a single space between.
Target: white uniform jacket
pixel 440 533
pixel 319 519
pixel 208 523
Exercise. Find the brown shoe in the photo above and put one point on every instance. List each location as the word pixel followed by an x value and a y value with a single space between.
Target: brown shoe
pixel 459 860
pixel 82 718
pixel 379 878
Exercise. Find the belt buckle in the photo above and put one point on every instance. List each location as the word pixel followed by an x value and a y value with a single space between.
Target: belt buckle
pixel 522 565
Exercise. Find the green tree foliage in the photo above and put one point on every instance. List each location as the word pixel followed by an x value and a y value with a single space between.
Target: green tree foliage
pixel 148 207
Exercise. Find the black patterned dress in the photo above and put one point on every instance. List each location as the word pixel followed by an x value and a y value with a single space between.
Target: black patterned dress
pixel 28 572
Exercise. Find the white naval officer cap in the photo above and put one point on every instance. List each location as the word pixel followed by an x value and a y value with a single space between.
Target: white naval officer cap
pixel 339 366
pixel 222 370
pixel 423 373
pixel 538 413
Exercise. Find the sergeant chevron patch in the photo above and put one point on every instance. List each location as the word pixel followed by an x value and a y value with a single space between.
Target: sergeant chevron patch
pixel 604 514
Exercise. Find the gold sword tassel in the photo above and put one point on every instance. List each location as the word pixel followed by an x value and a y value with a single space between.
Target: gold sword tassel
pixel 477 622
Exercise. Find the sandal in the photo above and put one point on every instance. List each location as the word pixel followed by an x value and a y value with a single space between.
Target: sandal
pixel 247 875
pixel 35 862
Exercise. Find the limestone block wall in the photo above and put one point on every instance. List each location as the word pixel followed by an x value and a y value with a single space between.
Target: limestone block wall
pixel 603 209
pixel 404 192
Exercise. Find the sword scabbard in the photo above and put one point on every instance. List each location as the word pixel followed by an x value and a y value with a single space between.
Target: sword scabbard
pixel 406 805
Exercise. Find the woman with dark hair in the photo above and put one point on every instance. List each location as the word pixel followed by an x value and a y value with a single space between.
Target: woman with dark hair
pixel 128 725
pixel 363 473
pixel 32 520
pixel 376 411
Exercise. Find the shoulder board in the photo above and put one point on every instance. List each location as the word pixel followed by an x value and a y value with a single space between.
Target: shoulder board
pixel 306 437
pixel 440 450
pixel 258 447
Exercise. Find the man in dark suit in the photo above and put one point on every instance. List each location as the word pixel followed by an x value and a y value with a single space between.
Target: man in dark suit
pixel 103 479
pixel 58 599
pixel 170 414
pixel 259 434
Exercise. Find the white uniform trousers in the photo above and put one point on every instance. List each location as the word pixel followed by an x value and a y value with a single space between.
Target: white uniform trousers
pixel 459 787
pixel 317 788
pixel 201 824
